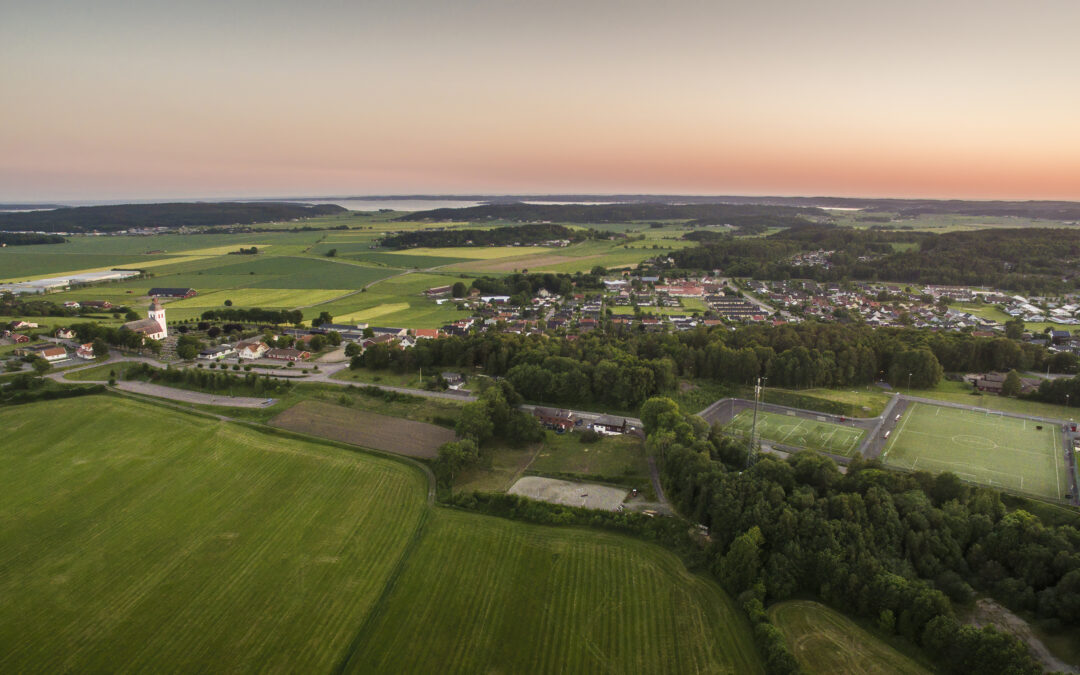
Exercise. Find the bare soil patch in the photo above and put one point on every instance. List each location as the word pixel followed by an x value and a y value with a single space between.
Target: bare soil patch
pixel 370 430
pixel 567 493
pixel 989 613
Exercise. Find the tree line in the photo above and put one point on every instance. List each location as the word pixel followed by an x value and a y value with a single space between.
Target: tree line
pixel 1033 260
pixel 29 239
pixel 897 549
pixel 622 367
pixel 255 315
pixel 499 236
pixel 126 216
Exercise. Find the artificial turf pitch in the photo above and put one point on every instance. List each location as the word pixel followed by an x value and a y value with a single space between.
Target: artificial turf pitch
pixel 799 432
pixel 987 448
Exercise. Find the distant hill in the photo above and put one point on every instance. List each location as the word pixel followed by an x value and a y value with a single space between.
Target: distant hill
pixel 128 216
pixel 720 214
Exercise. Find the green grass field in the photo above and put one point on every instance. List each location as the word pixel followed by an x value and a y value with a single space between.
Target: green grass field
pixel 986 448
pixel 826 642
pixel 803 433
pixel 612 458
pixel 138 538
pixel 142 538
pixel 482 594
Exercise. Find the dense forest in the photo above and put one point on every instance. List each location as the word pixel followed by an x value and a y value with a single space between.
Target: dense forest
pixel 718 214
pixel 29 239
pixel 127 216
pixel 897 549
pixel 500 236
pixel 1033 260
pixel 621 366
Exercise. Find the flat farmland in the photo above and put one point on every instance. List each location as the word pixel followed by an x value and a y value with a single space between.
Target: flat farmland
pixel 987 448
pixel 403 260
pixel 261 297
pixel 137 538
pixel 369 430
pixel 487 595
pixel 826 642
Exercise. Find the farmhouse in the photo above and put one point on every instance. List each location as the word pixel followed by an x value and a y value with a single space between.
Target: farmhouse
pixel 288 355
pixel 49 352
pixel 173 292
pixel 611 424
pixel 994 382
pixel 85 351
pixel 555 419
pixel 152 327
pixel 437 291
pixel 251 350
pixel 97 304
pixel 19 325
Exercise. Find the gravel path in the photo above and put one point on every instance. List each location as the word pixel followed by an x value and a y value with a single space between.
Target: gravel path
pixel 196 397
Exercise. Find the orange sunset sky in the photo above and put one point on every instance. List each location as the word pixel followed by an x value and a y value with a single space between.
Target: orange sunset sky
pixel 148 99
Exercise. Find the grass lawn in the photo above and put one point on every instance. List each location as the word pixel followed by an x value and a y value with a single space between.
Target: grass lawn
pixel 483 594
pixel 149 539
pixel 612 458
pixel 826 642
pixel 985 448
pixel 789 430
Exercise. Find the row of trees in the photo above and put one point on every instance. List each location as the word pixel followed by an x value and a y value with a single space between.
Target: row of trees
pixel 622 367
pixel 898 549
pixel 534 233
pixel 255 315
pixel 115 336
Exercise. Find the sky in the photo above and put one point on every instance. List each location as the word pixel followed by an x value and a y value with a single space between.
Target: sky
pixel 149 99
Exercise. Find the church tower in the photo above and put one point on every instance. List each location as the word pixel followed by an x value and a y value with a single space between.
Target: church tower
pixel 157 313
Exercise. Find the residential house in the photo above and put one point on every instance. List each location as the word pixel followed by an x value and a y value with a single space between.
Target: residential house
pixel 560 420
pixel 251 350
pixel 85 351
pixel 288 355
pixel 217 353
pixel 65 333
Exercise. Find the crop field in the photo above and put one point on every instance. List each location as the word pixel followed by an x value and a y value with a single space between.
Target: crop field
pixel 483 594
pixel 803 433
pixel 826 642
pixel 982 447
pixel 138 538
pixel 369 430
pixel 261 297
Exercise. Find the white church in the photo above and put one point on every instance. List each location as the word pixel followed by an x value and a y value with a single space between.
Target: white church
pixel 152 327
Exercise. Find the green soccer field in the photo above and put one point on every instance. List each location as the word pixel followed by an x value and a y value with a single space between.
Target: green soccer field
pixel 1008 453
pixel 799 432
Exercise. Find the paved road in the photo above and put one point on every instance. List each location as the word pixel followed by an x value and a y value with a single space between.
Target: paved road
pixel 197 397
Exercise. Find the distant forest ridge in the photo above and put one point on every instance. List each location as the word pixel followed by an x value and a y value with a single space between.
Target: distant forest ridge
pixel 128 216
pixel 705 214
pixel 1047 209
pixel 499 236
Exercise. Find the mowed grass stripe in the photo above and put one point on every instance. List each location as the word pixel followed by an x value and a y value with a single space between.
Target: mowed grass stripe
pixel 141 539
pixel 521 597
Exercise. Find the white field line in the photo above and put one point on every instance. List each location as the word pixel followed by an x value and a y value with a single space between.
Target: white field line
pixel 1054 457
pixel 796 428
pixel 903 423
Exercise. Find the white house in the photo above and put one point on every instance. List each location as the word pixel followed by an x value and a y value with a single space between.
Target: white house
pixel 251 350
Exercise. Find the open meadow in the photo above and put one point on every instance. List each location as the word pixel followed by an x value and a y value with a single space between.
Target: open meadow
pixel 825 642
pixel 983 447
pixel 798 432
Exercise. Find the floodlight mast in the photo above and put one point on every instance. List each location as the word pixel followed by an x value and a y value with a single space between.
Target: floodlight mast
pixel 753 427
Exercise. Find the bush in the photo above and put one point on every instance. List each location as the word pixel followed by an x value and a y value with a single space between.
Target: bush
pixel 590 436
